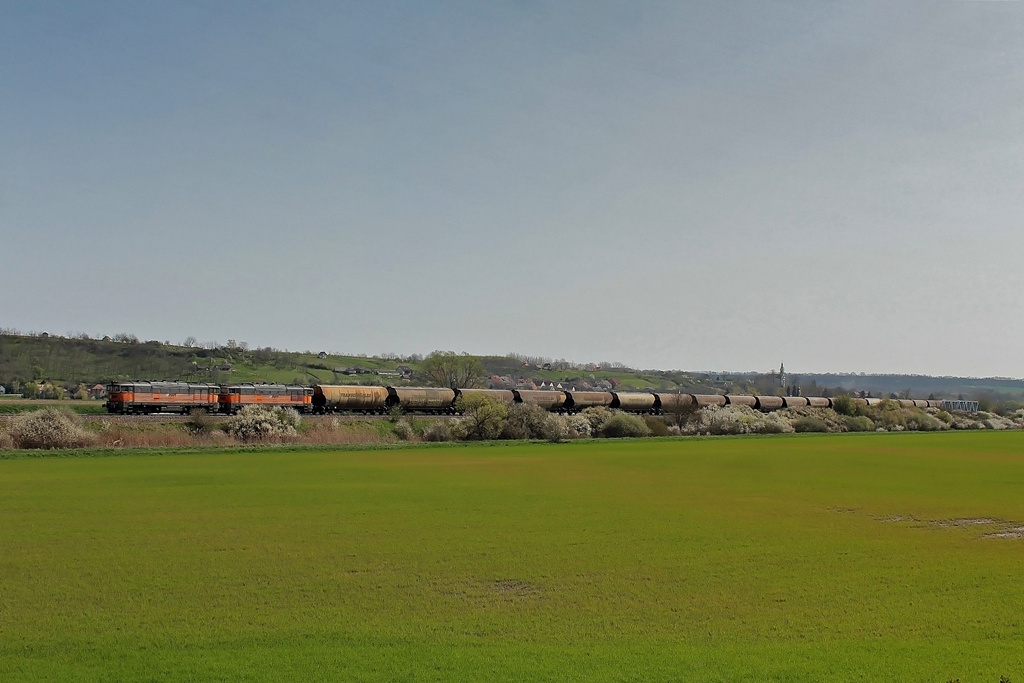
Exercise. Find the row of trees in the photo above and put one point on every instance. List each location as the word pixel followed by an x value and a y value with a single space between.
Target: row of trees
pixel 49 390
pixel 485 418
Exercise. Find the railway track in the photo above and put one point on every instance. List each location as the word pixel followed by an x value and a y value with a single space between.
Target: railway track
pixel 217 417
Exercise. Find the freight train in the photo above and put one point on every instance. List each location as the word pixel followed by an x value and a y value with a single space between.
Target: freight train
pixel 369 400
pixel 182 397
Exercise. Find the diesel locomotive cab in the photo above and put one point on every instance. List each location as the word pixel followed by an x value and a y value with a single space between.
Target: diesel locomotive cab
pixel 119 397
pixel 230 398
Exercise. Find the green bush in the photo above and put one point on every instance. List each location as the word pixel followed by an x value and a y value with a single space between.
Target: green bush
pixel 199 422
pixel 656 426
pixel 890 415
pixel 844 405
pixel 525 421
pixel 810 424
pixel 923 422
pixel 859 423
pixel 483 417
pixel 622 425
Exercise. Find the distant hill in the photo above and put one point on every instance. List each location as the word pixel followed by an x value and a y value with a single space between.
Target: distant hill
pixel 62 360
pixel 922 385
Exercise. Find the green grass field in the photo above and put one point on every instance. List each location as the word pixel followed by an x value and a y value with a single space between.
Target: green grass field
pixel 799 558
pixel 14 406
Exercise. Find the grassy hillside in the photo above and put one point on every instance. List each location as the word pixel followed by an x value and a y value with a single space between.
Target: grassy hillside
pixel 861 557
pixel 90 361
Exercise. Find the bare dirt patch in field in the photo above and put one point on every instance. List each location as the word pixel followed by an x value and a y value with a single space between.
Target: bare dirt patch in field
pixel 515 588
pixel 1004 528
pixel 893 519
pixel 966 522
pixel 1013 532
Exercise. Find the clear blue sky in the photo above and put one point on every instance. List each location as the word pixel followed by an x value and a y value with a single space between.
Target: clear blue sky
pixel 839 185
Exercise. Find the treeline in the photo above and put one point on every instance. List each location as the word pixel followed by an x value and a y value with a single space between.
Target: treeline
pixel 51 361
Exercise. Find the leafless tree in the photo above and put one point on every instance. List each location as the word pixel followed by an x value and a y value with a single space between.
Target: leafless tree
pixel 454 370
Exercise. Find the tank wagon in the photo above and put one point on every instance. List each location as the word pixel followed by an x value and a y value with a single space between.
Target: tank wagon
pixel 548 400
pixel 769 403
pixel 576 401
pixel 635 402
pixel 675 403
pixel 332 398
pixel 421 400
pixel 503 395
pixel 741 400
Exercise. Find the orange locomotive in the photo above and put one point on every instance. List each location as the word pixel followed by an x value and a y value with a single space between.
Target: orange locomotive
pixel 236 396
pixel 133 398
